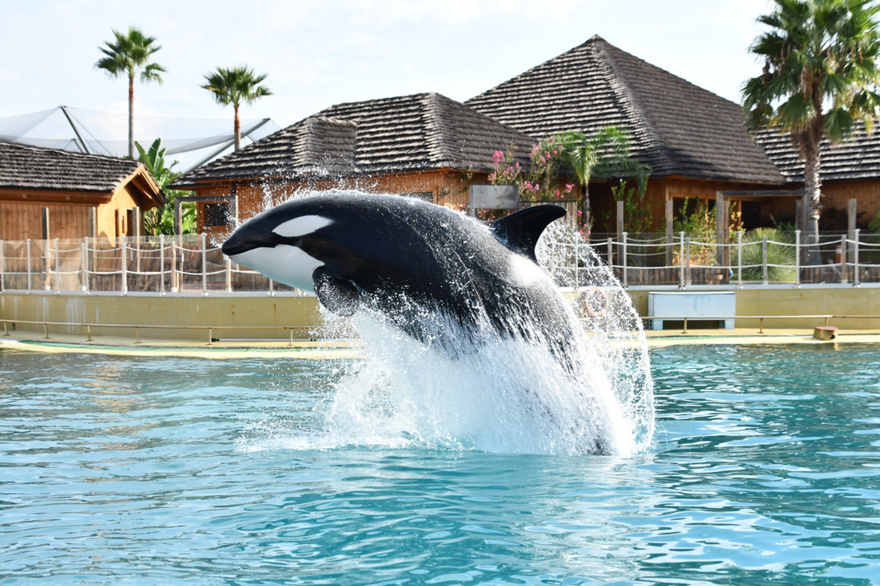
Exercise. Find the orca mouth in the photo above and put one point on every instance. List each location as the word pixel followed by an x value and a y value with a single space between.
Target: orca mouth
pixel 232 247
pixel 241 243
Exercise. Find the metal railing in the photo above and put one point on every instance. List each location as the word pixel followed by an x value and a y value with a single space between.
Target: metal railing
pixel 151 265
pixel 300 333
pixel 649 261
pixel 296 333
pixel 194 265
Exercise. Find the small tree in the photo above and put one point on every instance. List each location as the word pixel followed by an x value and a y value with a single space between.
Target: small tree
pixel 698 222
pixel 232 86
pixel 605 155
pixel 637 217
pixel 127 55
pixel 161 220
pixel 820 70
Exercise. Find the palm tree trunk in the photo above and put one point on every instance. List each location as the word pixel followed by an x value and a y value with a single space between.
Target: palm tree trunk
pixel 812 201
pixel 237 130
pixel 586 207
pixel 131 116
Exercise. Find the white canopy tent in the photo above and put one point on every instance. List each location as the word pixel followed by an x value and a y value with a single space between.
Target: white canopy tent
pixel 190 141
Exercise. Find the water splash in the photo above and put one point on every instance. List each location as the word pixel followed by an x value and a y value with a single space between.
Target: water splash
pixel 500 393
pixel 504 394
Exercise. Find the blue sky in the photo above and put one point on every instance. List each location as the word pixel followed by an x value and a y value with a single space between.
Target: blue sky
pixel 320 53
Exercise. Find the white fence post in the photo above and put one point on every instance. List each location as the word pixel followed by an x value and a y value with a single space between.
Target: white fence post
pixel 2 272
pixel 124 286
pixel 764 258
pixel 843 264
pixel 739 259
pixel 28 252
pixel 797 258
pixel 175 286
pixel 204 263
pixel 57 267
pixel 610 254
pixel 681 260
pixel 161 264
pixel 856 257
pixel 84 281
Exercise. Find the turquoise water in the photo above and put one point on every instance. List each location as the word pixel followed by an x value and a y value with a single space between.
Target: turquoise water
pixel 766 469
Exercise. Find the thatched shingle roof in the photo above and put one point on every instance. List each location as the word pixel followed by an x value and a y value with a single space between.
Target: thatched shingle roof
pixel 35 168
pixel 409 133
pixel 857 157
pixel 675 127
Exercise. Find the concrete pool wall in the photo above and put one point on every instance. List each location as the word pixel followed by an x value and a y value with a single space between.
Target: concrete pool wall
pixel 189 317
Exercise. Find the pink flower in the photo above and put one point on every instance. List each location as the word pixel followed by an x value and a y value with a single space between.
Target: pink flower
pixel 580 213
pixel 569 186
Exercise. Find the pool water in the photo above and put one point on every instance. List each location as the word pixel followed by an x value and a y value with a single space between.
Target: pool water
pixel 765 469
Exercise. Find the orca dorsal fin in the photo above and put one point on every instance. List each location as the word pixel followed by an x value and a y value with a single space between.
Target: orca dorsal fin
pixel 520 230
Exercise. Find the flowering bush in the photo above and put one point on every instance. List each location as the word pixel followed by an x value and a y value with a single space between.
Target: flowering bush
pixel 506 170
pixel 540 182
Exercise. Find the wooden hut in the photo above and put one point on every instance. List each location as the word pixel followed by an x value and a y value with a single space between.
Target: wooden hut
pixel 48 193
pixel 423 145
pixel 849 170
pixel 695 141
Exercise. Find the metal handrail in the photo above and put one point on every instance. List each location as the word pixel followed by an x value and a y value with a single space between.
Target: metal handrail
pixel 174 265
pixel 211 329
pixel 138 327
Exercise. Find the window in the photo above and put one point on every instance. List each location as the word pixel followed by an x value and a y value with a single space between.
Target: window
pixel 216 214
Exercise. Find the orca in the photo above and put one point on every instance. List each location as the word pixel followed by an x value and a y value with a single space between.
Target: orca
pixel 441 277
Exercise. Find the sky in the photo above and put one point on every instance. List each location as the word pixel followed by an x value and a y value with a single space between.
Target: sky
pixel 319 53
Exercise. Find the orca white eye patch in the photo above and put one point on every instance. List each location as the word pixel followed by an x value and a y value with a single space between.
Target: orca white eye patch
pixel 301 226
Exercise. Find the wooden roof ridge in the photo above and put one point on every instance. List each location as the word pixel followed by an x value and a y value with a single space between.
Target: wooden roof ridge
pixel 327 144
pixel 464 138
pixel 629 98
pixel 440 150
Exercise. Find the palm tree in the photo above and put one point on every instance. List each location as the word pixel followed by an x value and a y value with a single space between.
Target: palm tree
pixel 820 70
pixel 604 155
pixel 231 86
pixel 161 220
pixel 127 55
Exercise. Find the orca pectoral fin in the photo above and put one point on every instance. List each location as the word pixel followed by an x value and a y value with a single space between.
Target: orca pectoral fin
pixel 339 296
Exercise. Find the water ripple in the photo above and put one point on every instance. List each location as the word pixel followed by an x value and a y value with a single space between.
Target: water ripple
pixel 131 470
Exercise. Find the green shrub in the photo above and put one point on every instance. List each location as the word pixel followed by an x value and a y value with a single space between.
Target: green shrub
pixel 779 252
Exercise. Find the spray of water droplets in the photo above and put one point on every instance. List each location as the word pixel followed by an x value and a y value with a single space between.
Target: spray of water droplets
pixel 502 393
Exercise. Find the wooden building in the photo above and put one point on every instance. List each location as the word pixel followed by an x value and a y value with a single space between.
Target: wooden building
pixel 427 145
pixel 695 142
pixel 423 145
pixel 849 170
pixel 48 193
